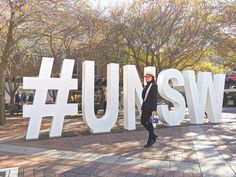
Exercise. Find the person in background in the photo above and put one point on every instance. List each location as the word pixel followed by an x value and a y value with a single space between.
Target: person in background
pixel 104 99
pixel 149 95
pixel 23 98
pixel 31 98
pixel 17 99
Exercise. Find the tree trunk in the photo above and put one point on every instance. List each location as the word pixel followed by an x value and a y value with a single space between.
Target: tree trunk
pixel 12 96
pixel 2 95
pixel 3 64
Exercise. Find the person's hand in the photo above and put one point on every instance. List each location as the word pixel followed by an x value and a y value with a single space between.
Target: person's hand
pixel 154 113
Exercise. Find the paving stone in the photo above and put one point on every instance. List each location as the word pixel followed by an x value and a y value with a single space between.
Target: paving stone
pixel 89 171
pixel 129 161
pixel 168 174
pixel 120 154
pixel 21 172
pixel 2 174
pixel 49 173
pixel 210 160
pixel 155 164
pixel 20 149
pixel 28 172
pixel 132 174
pixel 68 174
pixel 188 174
pixel 38 173
pixel 102 170
pixel 151 172
pixel 144 162
pixel 185 167
pixel 122 174
pixel 142 172
pixel 160 173
pixel 233 166
pixel 178 174
pixel 107 159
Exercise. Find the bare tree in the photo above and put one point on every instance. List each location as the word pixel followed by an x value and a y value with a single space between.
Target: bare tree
pixel 21 64
pixel 14 14
pixel 166 34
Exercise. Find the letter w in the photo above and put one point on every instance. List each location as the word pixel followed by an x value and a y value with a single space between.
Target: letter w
pixel 206 94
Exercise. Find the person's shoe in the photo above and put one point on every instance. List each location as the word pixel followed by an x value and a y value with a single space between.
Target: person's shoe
pixel 147 145
pixel 154 140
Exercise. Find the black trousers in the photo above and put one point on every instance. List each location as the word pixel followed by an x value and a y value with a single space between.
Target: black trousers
pixel 146 114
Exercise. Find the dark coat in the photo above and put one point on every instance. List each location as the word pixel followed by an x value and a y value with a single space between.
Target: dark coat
pixel 151 102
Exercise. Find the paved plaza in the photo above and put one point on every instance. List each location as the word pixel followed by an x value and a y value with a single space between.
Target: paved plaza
pixel 182 151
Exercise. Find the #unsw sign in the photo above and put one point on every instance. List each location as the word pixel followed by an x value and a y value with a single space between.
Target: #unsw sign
pixel 203 94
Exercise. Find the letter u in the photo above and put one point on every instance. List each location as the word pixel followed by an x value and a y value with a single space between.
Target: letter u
pixel 106 122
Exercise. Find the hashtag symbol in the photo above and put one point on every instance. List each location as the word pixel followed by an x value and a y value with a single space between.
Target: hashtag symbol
pixel 39 109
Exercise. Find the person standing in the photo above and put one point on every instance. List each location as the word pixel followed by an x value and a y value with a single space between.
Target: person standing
pixel 104 99
pixel 31 98
pixel 23 98
pixel 17 100
pixel 149 106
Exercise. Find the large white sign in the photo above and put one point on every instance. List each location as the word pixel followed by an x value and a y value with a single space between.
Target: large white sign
pixel 204 95
pixel 39 109
pixel 175 116
pixel 105 123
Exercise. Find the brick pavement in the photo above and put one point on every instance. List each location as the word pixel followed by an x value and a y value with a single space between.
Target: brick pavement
pixel 173 155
